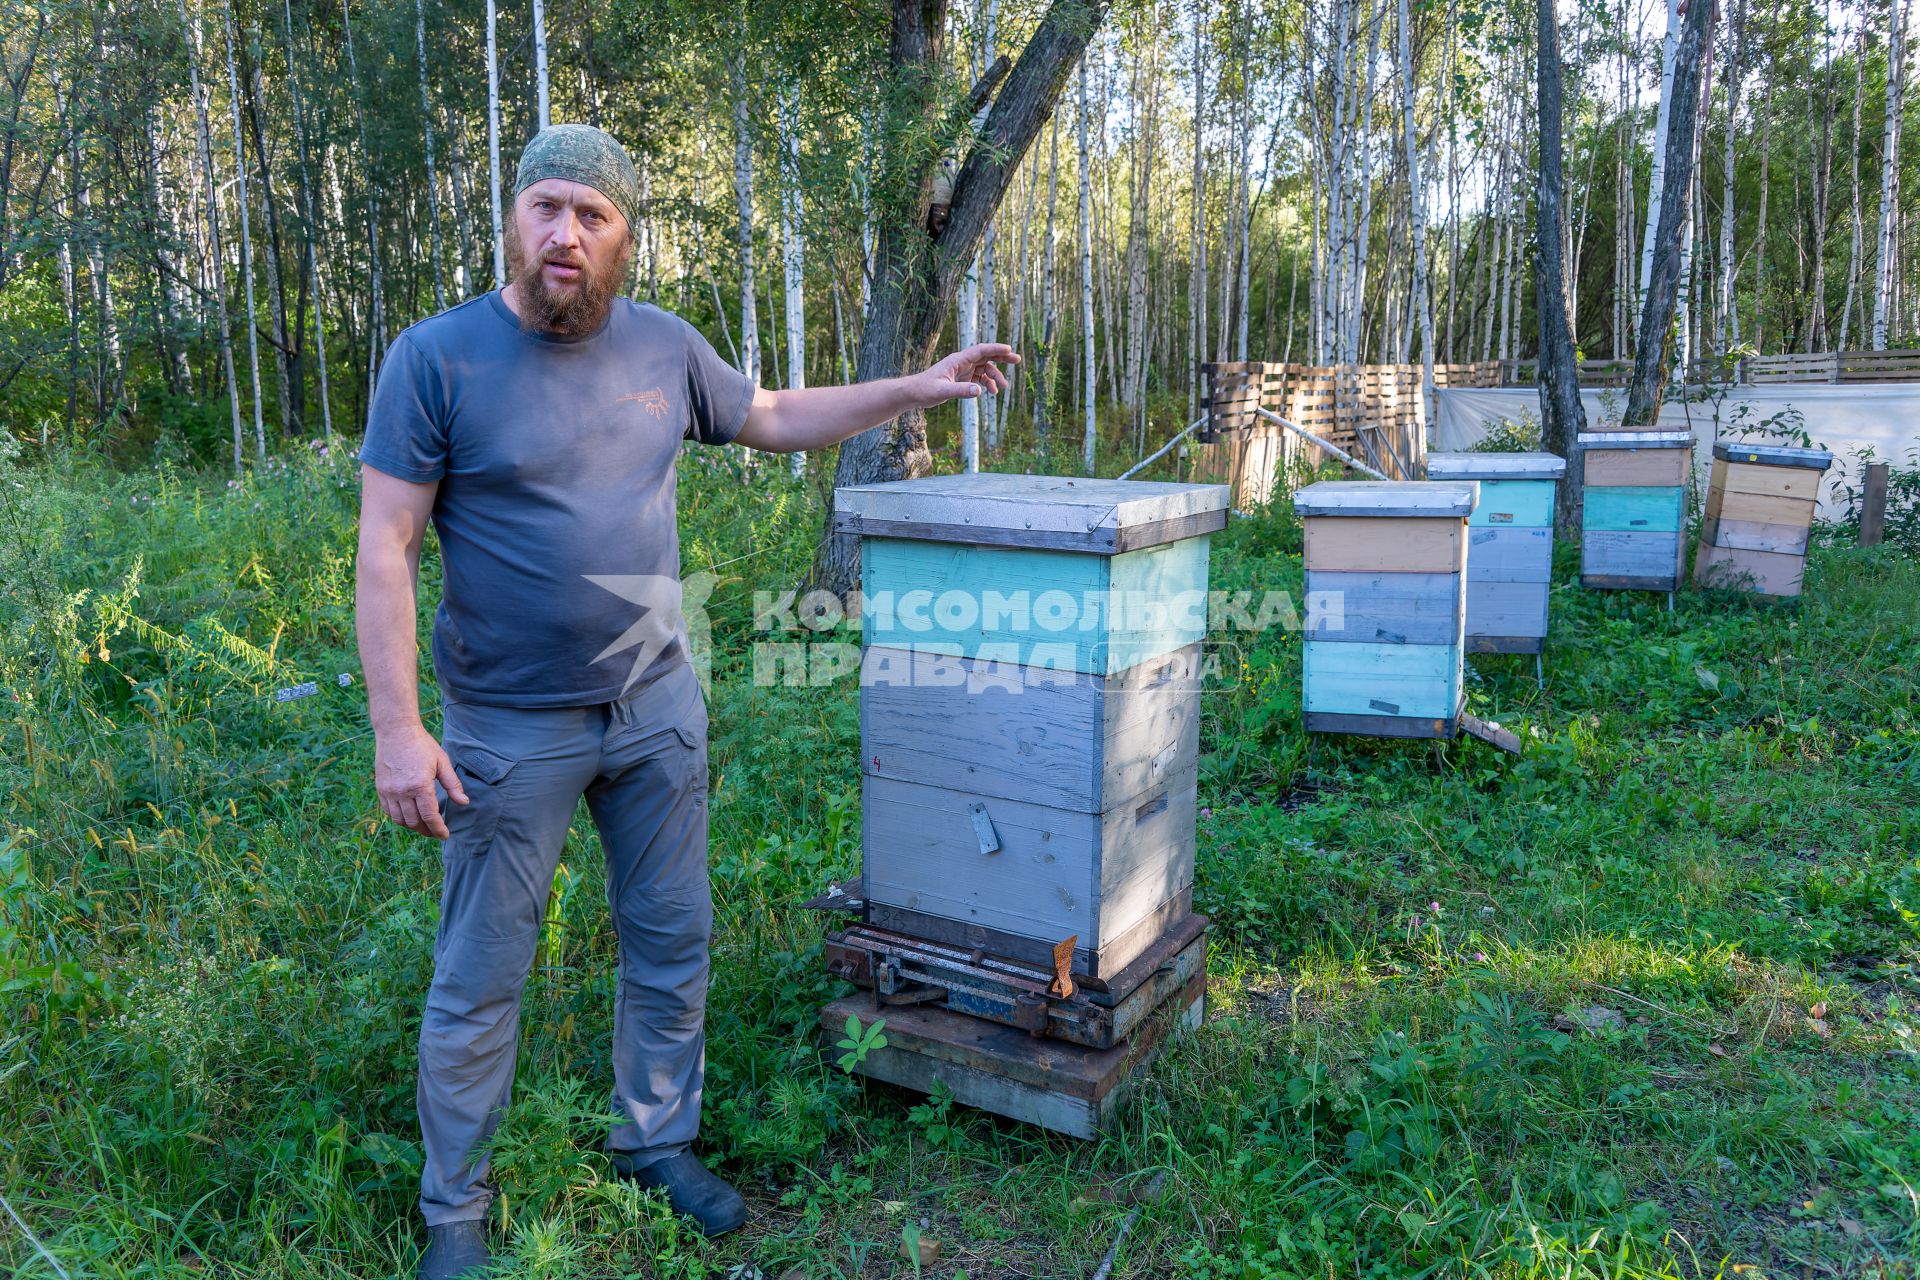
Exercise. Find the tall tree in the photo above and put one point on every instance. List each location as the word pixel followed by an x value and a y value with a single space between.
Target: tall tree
pixel 1887 244
pixel 917 272
pixel 1653 355
pixel 1561 416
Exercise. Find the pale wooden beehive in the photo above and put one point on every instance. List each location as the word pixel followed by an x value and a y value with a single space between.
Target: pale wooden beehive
pixel 1386 605
pixel 1759 516
pixel 1509 545
pixel 1029 722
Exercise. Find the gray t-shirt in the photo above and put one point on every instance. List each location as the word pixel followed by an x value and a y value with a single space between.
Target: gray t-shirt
pixel 555 458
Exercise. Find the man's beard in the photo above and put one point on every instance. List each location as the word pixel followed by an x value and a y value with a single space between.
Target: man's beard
pixel 571 312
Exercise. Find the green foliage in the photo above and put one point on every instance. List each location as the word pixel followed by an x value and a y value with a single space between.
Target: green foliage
pixel 1468 1015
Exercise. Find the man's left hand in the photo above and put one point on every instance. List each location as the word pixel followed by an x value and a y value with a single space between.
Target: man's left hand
pixel 966 374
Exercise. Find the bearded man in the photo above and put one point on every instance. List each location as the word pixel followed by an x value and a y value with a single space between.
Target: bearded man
pixel 537 427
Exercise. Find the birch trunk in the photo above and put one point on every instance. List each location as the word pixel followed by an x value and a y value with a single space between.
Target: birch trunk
pixel 1089 384
pixel 216 256
pixel 1656 183
pixel 540 62
pixel 1853 189
pixel 285 354
pixel 1736 67
pixel 1890 172
pixel 1197 289
pixel 743 209
pixel 433 176
pixel 1417 227
pixel 246 239
pixel 493 145
pixel 793 258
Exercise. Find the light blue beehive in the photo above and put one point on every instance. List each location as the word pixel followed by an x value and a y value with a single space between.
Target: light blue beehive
pixel 1030 708
pixel 1386 606
pixel 1634 508
pixel 1509 545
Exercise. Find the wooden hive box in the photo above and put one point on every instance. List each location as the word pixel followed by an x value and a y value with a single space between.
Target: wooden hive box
pixel 1634 514
pixel 1386 605
pixel 1760 504
pixel 1030 708
pixel 1509 545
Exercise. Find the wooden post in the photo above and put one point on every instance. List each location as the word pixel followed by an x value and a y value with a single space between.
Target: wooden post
pixel 1873 505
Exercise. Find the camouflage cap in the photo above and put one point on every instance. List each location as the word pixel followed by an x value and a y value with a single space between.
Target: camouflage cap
pixel 582 153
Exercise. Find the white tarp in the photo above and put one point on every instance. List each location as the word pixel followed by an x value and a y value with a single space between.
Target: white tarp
pixel 1844 418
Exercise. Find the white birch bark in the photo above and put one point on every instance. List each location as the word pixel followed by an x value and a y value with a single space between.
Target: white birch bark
pixel 540 62
pixel 1198 247
pixel 216 256
pixel 246 239
pixel 1417 224
pixel 1661 123
pixel 493 145
pixel 743 208
pixel 793 246
pixel 1887 245
pixel 1089 383
pixel 433 177
pixel 1859 214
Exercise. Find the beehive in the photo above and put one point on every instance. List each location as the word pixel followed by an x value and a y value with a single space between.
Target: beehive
pixel 1030 708
pixel 1509 545
pixel 1760 504
pixel 1634 513
pixel 1386 605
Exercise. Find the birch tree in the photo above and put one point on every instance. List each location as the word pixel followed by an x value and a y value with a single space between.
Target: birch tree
pixel 1886 244
pixel 246 240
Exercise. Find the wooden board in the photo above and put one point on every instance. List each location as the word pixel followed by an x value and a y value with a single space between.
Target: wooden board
pixel 1755 535
pixel 1526 504
pixel 1060 609
pixel 1052 873
pixel 987 505
pixel 1068 739
pixel 1506 609
pixel 1411 681
pixel 1383 545
pixel 1101 969
pixel 1509 555
pixel 1635 509
pixel 1378 726
pixel 1059 1086
pixel 1384 608
pixel 1759 508
pixel 1506 644
pixel 1644 558
pixel 1761 572
pixel 1612 468
pixel 1766 481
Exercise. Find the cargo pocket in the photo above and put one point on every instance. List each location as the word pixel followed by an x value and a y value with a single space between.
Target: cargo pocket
pixel 695 745
pixel 485 775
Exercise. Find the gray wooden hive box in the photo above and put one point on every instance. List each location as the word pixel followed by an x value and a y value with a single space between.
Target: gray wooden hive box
pixel 1386 606
pixel 1509 545
pixel 1029 708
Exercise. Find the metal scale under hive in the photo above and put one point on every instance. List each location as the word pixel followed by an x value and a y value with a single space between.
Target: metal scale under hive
pixel 1030 698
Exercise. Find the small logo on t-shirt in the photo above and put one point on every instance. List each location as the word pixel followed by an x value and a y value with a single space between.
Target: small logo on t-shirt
pixel 654 400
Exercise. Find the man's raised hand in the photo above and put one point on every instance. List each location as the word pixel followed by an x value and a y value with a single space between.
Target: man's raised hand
pixel 965 374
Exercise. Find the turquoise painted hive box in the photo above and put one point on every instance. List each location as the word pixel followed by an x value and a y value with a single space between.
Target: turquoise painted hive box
pixel 1634 511
pixel 1509 545
pixel 1385 619
pixel 1030 709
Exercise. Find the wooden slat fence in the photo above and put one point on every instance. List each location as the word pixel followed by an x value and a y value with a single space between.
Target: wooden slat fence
pixel 1368 410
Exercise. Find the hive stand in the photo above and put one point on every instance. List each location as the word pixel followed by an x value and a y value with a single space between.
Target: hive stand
pixel 1760 504
pixel 1509 547
pixel 1635 509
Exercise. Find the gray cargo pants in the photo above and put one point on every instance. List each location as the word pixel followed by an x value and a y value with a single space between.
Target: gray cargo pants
pixel 641 763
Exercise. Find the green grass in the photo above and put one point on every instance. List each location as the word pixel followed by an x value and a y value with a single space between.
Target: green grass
pixel 212 955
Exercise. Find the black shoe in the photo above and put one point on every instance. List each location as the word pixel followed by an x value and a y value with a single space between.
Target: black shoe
pixel 455 1249
pixel 713 1205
